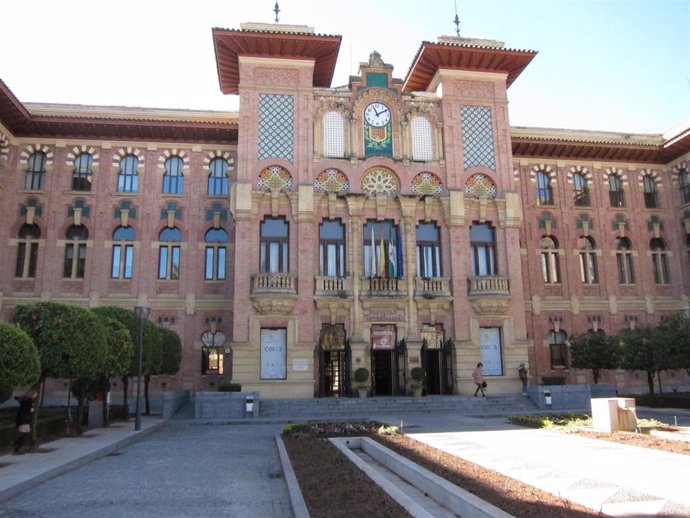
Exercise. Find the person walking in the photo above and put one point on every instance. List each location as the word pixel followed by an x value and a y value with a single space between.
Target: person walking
pixel 25 414
pixel 478 379
pixel 522 372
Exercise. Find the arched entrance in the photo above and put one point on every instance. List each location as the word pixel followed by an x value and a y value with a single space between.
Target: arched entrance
pixel 388 358
pixel 334 362
pixel 437 360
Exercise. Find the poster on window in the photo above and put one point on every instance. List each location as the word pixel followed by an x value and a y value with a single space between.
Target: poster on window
pixel 383 336
pixel 491 354
pixel 273 354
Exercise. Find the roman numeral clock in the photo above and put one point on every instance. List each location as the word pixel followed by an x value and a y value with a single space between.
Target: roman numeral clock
pixel 378 139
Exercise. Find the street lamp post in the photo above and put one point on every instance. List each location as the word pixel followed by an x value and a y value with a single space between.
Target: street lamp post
pixel 142 313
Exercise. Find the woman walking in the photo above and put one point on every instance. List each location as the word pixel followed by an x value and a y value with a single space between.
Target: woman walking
pixel 478 379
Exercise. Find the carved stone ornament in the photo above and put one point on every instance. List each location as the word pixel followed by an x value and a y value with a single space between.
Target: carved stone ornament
pixel 485 306
pixel 273 305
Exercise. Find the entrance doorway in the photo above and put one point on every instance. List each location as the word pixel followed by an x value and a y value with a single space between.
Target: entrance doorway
pixel 387 361
pixel 334 360
pixel 383 369
pixel 437 360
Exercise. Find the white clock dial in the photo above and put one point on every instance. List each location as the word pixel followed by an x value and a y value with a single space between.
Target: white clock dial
pixel 377 114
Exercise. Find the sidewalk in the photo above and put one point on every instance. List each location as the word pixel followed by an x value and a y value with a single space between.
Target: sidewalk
pixel 19 473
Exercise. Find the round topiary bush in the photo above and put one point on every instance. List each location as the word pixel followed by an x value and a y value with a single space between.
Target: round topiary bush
pixel 362 375
pixel 418 374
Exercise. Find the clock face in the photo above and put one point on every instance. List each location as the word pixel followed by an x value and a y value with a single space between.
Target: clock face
pixel 377 114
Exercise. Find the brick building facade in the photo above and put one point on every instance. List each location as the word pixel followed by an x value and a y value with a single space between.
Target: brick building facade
pixel 384 224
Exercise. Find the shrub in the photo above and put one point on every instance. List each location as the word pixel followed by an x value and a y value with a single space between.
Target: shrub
pixel 230 387
pixel 362 376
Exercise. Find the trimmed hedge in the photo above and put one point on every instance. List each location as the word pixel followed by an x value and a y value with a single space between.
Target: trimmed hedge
pixel 671 400
pixel 546 420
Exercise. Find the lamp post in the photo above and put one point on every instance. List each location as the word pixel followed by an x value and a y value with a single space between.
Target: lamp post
pixel 142 313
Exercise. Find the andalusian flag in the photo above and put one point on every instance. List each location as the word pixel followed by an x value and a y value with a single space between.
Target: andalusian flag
pixel 382 257
pixel 392 259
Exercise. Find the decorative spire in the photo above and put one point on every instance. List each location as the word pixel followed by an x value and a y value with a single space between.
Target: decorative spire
pixel 276 10
pixel 456 21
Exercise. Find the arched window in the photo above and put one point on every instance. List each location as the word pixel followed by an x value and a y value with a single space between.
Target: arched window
pixel 624 256
pixel 616 192
pixel 173 181
pixel 428 250
pixel 27 251
pixel 588 260
pixel 214 265
pixel 650 198
pixel 581 190
pixel 558 349
pixel 123 253
pixel 218 177
pixel 332 248
pixel 550 266
pixel 36 171
pixel 684 185
pixel 274 252
pixel 333 135
pixel 544 191
pixel 128 179
pixel 81 176
pixel 483 249
pixel 422 139
pixel 659 261
pixel 169 254
pixel 75 252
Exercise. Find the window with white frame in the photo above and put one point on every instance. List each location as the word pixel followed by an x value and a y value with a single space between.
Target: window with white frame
pixel 173 180
pixel 428 250
pixel 550 265
pixel 659 261
pixel 624 259
pixel 483 249
pixel 588 260
pixel 122 262
pixel 169 253
pixel 81 176
pixel 650 195
pixel 544 190
pixel 128 177
pixel 214 254
pixel 75 252
pixel 616 192
pixel 274 246
pixel 218 177
pixel 580 190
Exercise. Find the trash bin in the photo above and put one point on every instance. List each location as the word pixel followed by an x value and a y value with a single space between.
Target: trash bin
pixel 547 398
pixel 249 405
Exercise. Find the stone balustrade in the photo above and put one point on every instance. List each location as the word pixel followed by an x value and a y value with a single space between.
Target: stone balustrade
pixel 488 285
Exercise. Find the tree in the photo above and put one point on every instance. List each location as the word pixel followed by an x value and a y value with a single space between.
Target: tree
pixel 172 351
pixel 70 339
pixel 120 352
pixel 673 334
pixel 640 351
pixel 594 351
pixel 20 362
pixel 152 361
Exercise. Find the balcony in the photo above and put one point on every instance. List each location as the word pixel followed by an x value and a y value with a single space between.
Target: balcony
pixel 340 287
pixel 489 295
pixel 274 293
pixel 432 287
pixel 383 287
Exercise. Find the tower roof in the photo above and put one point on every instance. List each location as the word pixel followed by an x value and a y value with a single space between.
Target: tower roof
pixel 273 41
pixel 457 53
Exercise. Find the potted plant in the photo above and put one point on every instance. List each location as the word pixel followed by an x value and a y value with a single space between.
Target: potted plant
pixel 362 379
pixel 417 374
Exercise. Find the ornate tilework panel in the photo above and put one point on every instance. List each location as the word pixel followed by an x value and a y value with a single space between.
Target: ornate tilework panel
pixel 380 181
pixel 276 125
pixel 479 185
pixel 333 135
pixel 427 183
pixel 477 136
pixel 275 178
pixel 332 180
pixel 422 146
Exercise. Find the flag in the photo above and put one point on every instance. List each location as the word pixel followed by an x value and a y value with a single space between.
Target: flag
pixel 382 256
pixel 392 260
pixel 372 253
pixel 399 252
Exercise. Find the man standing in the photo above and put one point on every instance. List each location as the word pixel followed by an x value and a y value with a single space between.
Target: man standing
pixel 522 372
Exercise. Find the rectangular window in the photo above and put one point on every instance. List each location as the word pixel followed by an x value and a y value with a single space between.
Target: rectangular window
pixel 625 268
pixel 214 267
pixel 382 247
pixel 483 251
pixel 491 350
pixel 588 268
pixel 428 250
pixel 169 262
pixel 558 349
pixel 273 354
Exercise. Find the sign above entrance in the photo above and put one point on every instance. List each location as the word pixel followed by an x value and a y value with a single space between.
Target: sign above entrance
pixel 383 336
pixel 384 315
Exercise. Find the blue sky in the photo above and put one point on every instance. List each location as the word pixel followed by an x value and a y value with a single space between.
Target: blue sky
pixel 617 65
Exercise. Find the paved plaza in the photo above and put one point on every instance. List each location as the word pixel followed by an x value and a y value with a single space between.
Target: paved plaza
pixel 188 468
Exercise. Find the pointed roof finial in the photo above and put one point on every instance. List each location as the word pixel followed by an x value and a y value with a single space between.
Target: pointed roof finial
pixel 456 21
pixel 276 10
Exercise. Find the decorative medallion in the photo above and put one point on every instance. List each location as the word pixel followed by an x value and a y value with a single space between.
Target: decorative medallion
pixel 427 183
pixel 480 185
pixel 275 178
pixel 332 180
pixel 380 181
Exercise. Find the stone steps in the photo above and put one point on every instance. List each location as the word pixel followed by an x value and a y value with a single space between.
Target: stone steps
pixel 357 407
